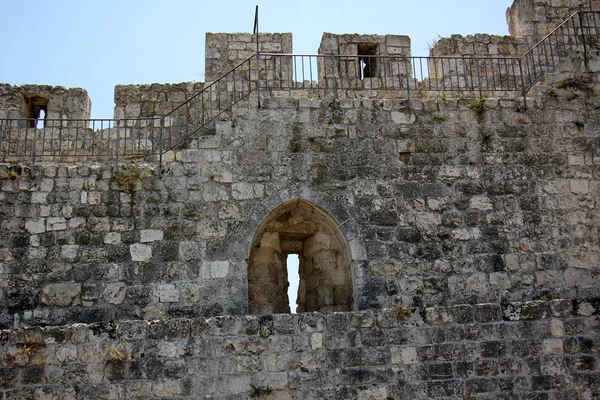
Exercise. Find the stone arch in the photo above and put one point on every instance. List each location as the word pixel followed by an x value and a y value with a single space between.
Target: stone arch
pixel 300 227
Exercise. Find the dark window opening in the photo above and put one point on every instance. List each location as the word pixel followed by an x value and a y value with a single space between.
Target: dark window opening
pixel 36 108
pixel 367 58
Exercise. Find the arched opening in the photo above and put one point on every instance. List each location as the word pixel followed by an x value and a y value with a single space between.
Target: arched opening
pixel 324 259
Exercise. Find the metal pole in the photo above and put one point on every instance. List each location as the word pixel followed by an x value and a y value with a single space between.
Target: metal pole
pixel 332 58
pixel 407 81
pixel 258 77
pixel 478 78
pixel 585 57
pixel 160 146
pixel 256 32
pixel 523 89
pixel 117 146
pixel 34 147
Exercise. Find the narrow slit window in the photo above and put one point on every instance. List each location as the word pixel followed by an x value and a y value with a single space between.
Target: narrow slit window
pixel 41 120
pixel 293 267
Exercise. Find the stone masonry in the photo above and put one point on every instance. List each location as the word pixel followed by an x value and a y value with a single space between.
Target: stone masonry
pixel 448 244
pixel 545 350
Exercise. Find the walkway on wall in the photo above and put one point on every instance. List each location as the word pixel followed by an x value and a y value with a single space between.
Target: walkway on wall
pixel 319 76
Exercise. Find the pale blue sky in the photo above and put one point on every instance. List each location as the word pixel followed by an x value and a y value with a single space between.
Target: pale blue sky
pixel 97 44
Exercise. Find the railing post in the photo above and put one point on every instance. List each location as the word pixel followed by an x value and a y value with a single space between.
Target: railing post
pixel 583 40
pixel 34 147
pixel 258 77
pixel 407 81
pixel 478 78
pixel 523 88
pixel 160 146
pixel 335 94
pixel 116 168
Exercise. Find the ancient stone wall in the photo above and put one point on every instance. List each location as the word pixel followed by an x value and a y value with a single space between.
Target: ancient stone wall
pixel 440 204
pixel 532 350
pixel 537 18
pixel 224 51
pixel 56 102
pixel 460 231
pixel 140 101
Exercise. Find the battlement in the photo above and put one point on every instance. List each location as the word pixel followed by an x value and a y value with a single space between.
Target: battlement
pixel 442 211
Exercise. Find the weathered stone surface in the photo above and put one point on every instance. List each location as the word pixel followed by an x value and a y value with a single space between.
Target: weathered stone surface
pixel 461 214
pixel 140 252
pixel 310 355
pixel 61 294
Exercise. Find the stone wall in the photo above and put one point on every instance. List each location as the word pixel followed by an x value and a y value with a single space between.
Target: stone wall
pixel 140 101
pixel 537 18
pixel 27 101
pixel 541 349
pixel 224 51
pixel 449 202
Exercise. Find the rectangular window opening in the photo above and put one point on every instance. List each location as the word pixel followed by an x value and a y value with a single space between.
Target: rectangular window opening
pixel 367 53
pixel 36 110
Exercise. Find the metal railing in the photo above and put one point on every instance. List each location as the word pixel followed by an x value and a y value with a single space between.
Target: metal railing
pixel 321 75
pixel 200 110
pixel 577 34
pixel 330 75
pixel 78 139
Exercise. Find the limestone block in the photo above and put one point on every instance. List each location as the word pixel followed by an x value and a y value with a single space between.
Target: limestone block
pixel 140 252
pixel 56 224
pixel 214 193
pixel 478 283
pixel 466 233
pixel 167 293
pixel 387 267
pixel 67 211
pixel 229 211
pixel 218 269
pixel 171 349
pixel 36 226
pixel 61 294
pixel 151 235
pixel 47 185
pixel 399 117
pixel 39 197
pixel 428 220
pixel 112 238
pixel 481 203
pixel 552 346
pixel 211 229
pixel 191 250
pixel 404 355
pixel 190 293
pixel 76 222
pixel 247 191
pixel 114 293
pixel 557 328
pixel 500 281
pixel 66 353
pixel 585 309
pixel 222 176
pixel 579 186
pixel 69 252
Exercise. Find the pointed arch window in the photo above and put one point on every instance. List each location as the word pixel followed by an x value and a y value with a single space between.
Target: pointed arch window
pixel 302 228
